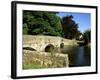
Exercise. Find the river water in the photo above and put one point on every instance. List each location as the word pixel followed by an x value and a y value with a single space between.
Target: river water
pixel 78 56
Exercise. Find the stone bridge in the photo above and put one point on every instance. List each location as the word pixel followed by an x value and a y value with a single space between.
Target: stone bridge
pixel 40 42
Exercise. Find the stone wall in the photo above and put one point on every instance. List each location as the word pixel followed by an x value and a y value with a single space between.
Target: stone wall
pixel 44 60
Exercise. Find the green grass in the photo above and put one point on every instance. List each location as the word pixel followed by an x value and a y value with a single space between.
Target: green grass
pixel 31 66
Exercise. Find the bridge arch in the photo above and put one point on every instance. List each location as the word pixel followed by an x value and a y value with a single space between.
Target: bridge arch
pixel 29 48
pixel 49 48
pixel 61 45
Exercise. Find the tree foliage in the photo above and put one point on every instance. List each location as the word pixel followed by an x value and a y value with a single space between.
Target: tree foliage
pixel 87 36
pixel 42 23
pixel 70 28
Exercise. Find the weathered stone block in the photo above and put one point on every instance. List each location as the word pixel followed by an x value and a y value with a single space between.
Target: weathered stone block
pixel 44 60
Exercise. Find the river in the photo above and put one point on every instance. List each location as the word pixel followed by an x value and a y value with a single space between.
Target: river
pixel 78 56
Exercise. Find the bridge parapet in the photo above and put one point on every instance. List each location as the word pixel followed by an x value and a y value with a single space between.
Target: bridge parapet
pixel 40 42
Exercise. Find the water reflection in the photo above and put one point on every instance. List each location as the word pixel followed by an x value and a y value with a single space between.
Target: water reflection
pixel 78 56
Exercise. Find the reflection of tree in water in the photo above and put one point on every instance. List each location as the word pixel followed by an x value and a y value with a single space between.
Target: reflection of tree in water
pixel 78 55
pixel 87 54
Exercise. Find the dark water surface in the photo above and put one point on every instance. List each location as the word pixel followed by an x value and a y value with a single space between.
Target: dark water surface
pixel 78 56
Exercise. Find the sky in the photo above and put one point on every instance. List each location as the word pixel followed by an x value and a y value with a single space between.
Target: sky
pixel 82 19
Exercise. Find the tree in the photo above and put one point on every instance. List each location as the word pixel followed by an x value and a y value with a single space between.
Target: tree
pixel 70 28
pixel 42 23
pixel 25 28
pixel 87 36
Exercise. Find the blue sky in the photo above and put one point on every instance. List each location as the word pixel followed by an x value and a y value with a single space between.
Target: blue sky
pixel 82 19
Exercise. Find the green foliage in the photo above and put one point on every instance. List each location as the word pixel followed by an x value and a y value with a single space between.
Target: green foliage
pixel 42 23
pixel 87 36
pixel 25 28
pixel 70 28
